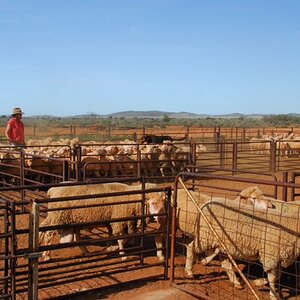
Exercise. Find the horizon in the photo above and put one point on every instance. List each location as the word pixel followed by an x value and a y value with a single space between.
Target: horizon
pixel 150 114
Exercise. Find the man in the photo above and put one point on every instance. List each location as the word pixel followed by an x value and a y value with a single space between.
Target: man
pixel 15 129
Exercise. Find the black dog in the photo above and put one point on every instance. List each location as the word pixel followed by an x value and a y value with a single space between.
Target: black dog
pixel 158 139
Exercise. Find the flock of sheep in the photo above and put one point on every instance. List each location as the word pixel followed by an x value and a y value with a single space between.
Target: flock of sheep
pixel 287 144
pixel 250 227
pixel 122 159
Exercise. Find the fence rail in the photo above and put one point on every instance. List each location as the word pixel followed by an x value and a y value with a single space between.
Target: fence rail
pixel 24 275
pixel 114 133
pixel 78 165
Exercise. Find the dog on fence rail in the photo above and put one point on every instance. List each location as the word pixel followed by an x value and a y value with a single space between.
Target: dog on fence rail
pixel 159 139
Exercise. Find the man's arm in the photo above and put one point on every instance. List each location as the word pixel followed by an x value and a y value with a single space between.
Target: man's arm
pixel 7 132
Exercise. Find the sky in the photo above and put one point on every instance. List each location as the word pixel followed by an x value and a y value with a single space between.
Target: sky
pixel 72 57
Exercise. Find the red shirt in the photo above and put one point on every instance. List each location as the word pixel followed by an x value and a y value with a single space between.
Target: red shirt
pixel 16 133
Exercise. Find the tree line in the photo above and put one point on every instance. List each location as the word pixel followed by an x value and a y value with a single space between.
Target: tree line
pixel 281 120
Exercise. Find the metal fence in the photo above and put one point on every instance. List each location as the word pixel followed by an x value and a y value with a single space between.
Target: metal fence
pixel 80 165
pixel 230 270
pixel 25 275
pixel 115 133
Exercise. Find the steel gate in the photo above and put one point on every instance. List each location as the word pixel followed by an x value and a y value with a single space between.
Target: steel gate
pixel 7 250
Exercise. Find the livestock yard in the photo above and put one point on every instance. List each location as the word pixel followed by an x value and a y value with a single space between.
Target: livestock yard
pixel 117 219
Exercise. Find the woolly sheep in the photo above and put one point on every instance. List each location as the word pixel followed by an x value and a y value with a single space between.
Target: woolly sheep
pixel 187 216
pixel 155 202
pixel 269 237
pixel 186 208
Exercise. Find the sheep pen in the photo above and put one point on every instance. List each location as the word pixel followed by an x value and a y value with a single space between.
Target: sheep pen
pixel 255 236
pixel 211 277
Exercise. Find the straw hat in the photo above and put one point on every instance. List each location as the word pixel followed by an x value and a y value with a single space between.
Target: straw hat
pixel 17 111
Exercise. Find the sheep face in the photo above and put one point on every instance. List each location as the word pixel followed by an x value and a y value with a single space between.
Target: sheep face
pixel 256 196
pixel 156 204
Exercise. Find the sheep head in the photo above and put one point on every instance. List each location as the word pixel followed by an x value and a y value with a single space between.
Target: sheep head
pixel 256 197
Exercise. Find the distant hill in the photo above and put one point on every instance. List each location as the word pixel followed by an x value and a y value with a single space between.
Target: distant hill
pixel 161 114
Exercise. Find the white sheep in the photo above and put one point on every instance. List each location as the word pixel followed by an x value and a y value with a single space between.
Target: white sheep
pixel 267 236
pixel 154 200
pixel 187 216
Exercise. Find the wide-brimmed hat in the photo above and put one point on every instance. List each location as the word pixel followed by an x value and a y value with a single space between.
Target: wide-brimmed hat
pixel 17 111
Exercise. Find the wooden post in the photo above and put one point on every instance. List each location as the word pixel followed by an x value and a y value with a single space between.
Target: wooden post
pixel 187 131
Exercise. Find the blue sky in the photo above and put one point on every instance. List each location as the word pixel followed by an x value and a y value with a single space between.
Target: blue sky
pixel 70 57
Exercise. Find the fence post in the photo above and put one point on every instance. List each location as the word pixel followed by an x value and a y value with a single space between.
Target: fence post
pixel 193 156
pixel 258 133
pixel 139 171
pixel 285 176
pixel 22 174
pixel 244 135
pixel 272 156
pixel 33 260
pixel 78 163
pixel 293 180
pixel 222 154
pixel 234 157
pixel 187 134
pixel 66 173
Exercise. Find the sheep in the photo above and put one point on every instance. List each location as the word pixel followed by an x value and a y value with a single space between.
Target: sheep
pixel 251 195
pixel 91 166
pixel 165 159
pixel 10 167
pixel 155 202
pixel 129 165
pixel 180 158
pixel 37 166
pixel 271 238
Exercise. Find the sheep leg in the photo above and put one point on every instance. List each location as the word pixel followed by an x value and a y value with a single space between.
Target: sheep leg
pixel 226 264
pixel 46 238
pixel 162 171
pixel 159 244
pixel 66 236
pixel 189 259
pixel 205 261
pixel 83 249
pixel 272 277
pixel 121 248
pixel 260 281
